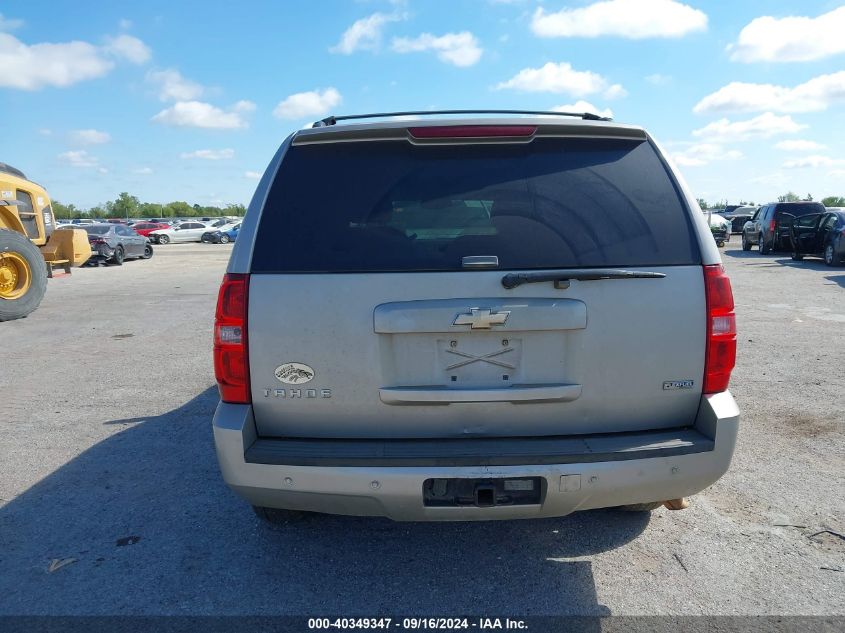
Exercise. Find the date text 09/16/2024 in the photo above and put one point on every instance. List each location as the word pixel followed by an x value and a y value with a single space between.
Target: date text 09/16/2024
pixel 482 624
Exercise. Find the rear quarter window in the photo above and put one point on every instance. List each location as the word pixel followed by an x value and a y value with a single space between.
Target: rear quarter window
pixel 393 206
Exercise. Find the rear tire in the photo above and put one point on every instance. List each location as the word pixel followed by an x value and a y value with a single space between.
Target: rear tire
pixel 277 516
pixel 764 248
pixel 224 239
pixel 148 251
pixel 641 507
pixel 746 245
pixel 163 239
pixel 118 257
pixel 829 257
pixel 20 257
pixel 798 257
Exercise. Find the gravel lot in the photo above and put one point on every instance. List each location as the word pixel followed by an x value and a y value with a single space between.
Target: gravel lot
pixel 106 458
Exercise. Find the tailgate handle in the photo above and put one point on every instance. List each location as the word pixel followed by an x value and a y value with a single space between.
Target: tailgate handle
pixel 480 261
pixel 515 394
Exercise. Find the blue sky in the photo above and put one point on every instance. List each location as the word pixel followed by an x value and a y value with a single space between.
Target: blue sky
pixel 188 100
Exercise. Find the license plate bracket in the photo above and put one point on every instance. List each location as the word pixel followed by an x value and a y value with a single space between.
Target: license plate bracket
pixel 484 492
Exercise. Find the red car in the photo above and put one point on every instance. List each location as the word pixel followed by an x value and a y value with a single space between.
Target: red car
pixel 144 228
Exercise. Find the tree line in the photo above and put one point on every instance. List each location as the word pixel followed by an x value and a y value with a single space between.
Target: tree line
pixel 789 196
pixel 128 206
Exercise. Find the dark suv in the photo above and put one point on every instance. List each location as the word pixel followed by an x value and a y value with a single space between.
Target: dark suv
pixel 769 228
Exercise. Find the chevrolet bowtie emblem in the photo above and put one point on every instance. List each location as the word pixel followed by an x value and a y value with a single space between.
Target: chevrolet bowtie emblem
pixel 481 318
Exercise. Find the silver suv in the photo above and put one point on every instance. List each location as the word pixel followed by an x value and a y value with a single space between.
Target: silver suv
pixel 473 318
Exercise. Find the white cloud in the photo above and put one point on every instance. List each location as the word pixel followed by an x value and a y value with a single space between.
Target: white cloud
pixel 243 106
pixel 632 19
pixel 770 179
pixel 143 171
pixel 125 24
pixel 33 67
pixel 89 137
pixel 812 96
pixel 791 39
pixel 9 24
pixel 129 48
pixel 765 125
pixel 658 80
pixel 209 154
pixel 616 91
pixel 200 114
pixel 798 145
pixel 562 78
pixel 45 131
pixel 102 170
pixel 814 161
pixel 253 175
pixel 704 153
pixel 308 104
pixel 459 49
pixel 584 106
pixel 78 158
pixel 172 86
pixel 364 34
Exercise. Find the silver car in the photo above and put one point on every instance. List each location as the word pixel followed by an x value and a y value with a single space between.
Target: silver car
pixel 183 232
pixel 473 318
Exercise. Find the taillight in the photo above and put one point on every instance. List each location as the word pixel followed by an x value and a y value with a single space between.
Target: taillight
pixel 231 361
pixel 97 241
pixel 472 131
pixel 721 330
pixel 772 226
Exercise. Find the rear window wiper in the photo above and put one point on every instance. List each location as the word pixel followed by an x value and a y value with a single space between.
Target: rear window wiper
pixel 563 277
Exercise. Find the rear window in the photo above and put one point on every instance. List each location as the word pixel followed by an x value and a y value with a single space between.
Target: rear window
pixel 797 210
pixel 393 206
pixel 96 229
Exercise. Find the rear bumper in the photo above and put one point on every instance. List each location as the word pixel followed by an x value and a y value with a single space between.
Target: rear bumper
pixel 103 253
pixel 396 491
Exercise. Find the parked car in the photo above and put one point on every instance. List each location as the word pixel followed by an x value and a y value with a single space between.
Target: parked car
pixel 771 225
pixel 113 243
pixel 223 235
pixel 738 216
pixel 456 268
pixel 719 227
pixel 184 232
pixel 145 228
pixel 821 235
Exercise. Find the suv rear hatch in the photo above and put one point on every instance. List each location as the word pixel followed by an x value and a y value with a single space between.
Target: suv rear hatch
pixel 377 307
pixel 785 214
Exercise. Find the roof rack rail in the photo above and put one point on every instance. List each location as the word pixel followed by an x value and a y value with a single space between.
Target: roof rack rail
pixel 332 120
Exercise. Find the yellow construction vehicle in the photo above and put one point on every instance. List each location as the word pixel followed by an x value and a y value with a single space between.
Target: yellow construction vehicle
pixel 29 245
